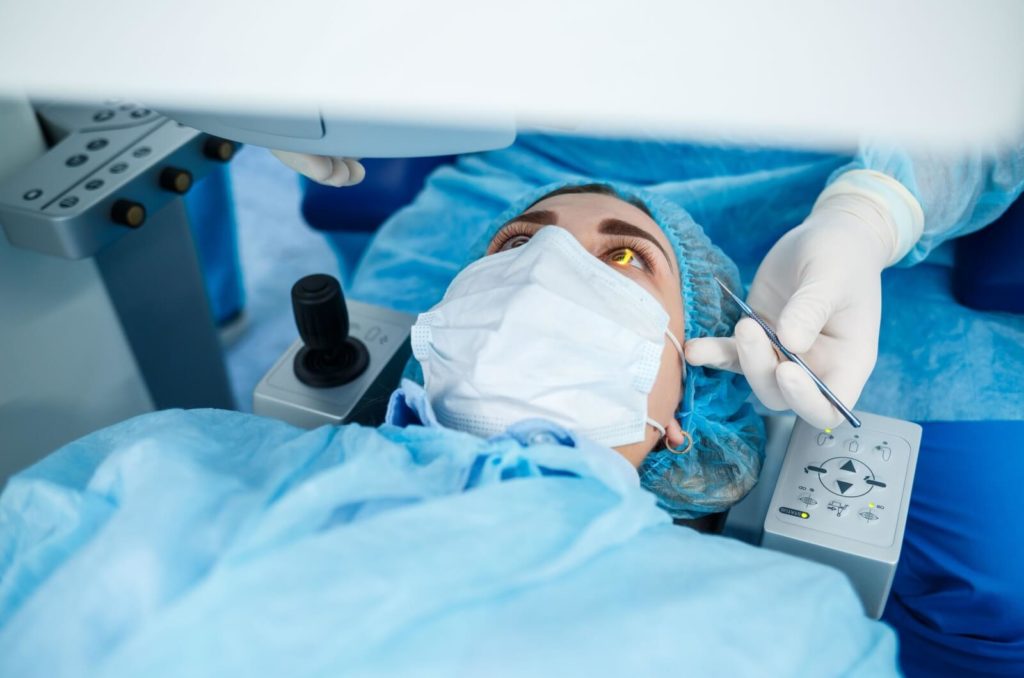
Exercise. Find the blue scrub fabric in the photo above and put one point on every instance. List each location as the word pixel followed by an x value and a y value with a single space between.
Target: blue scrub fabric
pixel 958 192
pixel 958 598
pixel 745 199
pixel 212 543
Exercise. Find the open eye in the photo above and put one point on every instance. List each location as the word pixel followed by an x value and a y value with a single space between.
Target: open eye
pixel 627 256
pixel 514 242
pixel 512 235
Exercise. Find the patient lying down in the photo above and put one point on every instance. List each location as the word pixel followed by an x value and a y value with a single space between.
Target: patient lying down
pixel 511 517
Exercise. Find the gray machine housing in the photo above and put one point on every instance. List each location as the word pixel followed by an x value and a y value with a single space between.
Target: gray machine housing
pixel 838 497
pixel 100 322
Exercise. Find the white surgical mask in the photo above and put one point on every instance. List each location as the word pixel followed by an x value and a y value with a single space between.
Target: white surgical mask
pixel 544 330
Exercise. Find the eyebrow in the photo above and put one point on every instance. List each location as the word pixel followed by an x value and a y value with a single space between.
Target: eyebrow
pixel 606 227
pixel 540 217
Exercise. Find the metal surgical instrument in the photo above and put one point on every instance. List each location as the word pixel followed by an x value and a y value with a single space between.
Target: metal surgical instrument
pixel 774 338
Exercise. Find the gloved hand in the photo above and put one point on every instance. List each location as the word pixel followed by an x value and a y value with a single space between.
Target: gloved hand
pixel 323 169
pixel 820 287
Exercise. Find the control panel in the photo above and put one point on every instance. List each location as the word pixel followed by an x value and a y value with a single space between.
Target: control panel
pixel 286 392
pixel 850 484
pixel 111 167
pixel 842 497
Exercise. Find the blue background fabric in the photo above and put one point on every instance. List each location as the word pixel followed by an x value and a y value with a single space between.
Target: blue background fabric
pixel 218 543
pixel 745 199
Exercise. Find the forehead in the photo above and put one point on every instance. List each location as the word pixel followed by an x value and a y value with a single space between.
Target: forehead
pixel 588 209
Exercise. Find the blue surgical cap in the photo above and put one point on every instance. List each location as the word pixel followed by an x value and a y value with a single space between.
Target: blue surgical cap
pixel 728 436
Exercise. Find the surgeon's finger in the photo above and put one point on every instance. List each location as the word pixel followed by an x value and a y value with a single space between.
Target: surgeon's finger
pixel 804 316
pixel 804 398
pixel 717 352
pixel 340 173
pixel 758 359
pixel 356 171
pixel 316 167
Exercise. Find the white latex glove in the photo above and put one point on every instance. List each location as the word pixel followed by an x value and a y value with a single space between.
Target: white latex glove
pixel 323 169
pixel 820 287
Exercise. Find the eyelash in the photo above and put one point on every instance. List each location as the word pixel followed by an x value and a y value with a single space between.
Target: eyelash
pixel 507 233
pixel 641 247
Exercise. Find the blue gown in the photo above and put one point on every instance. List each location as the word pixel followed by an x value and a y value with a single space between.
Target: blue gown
pixel 211 543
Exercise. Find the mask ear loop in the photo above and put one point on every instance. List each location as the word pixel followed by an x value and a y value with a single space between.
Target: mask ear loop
pixel 679 450
pixel 664 436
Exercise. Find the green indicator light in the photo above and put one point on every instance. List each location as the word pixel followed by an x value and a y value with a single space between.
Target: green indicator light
pixel 805 515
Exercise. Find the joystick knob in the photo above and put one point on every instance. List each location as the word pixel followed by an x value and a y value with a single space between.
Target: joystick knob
pixel 330 357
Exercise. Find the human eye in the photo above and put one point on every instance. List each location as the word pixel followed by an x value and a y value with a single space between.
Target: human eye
pixel 631 254
pixel 511 236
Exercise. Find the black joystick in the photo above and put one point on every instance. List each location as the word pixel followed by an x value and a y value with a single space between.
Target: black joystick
pixel 330 357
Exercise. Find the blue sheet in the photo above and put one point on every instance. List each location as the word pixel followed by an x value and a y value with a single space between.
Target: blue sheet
pixel 937 360
pixel 219 543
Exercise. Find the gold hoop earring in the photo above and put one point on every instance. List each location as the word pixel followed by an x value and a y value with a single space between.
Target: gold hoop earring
pixel 677 450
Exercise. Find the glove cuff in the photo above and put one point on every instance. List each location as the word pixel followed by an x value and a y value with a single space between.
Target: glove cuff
pixel 899 208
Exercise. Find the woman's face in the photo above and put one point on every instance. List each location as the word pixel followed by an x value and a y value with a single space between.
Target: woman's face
pixel 632 244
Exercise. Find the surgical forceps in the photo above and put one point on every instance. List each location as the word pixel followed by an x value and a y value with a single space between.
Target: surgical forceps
pixel 774 338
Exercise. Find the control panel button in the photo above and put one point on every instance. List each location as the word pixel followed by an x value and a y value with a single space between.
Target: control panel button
pixel 845 476
pixel 140 113
pixel 852 446
pixel 97 144
pixel 32 194
pixel 69 201
pixel 219 149
pixel 118 167
pixel 868 516
pixel 76 160
pixel 128 213
pixel 826 439
pixel 141 152
pixel 103 116
pixel 838 508
pixel 884 451
pixel 93 184
pixel 808 500
pixel 176 180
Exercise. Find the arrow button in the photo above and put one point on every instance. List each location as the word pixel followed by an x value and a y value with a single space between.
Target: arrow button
pixel 848 466
pixel 843 486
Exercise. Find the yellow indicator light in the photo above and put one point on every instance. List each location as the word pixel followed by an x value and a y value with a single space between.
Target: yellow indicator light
pixel 871 506
pixel 828 430
pixel 805 515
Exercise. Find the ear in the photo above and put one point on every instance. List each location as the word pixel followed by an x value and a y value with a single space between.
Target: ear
pixel 674 433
